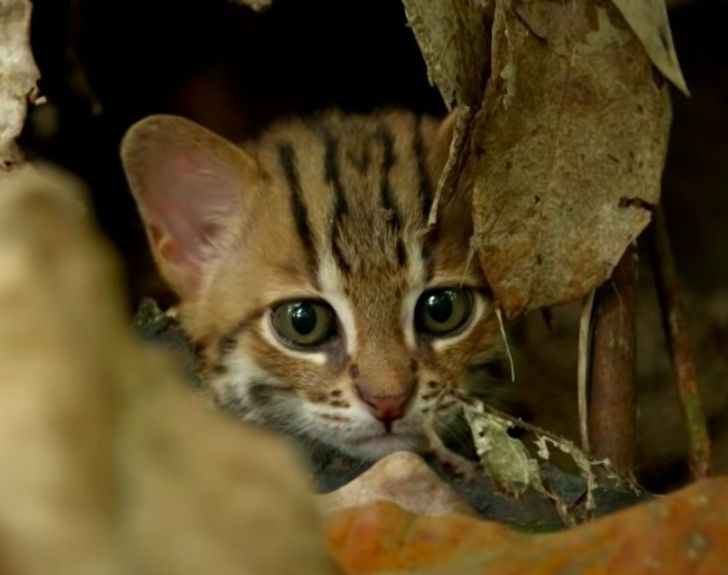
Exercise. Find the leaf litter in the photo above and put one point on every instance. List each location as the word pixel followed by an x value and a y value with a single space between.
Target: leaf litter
pixel 513 468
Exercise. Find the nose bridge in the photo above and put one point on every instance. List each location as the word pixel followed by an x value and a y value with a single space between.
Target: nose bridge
pixel 384 370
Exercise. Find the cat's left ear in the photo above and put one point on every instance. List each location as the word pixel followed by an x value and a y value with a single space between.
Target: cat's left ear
pixel 190 186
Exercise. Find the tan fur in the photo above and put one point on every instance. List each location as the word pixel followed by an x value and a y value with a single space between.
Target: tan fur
pixel 369 256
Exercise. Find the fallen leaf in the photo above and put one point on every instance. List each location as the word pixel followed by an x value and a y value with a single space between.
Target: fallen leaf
pixel 453 38
pixel 568 150
pixel 648 19
pixel 402 478
pixel 18 75
pixel 682 533
pixel 505 458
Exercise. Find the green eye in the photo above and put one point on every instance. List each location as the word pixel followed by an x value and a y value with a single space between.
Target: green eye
pixel 304 323
pixel 442 311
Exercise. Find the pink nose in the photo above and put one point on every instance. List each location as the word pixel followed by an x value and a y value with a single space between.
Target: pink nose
pixel 386 408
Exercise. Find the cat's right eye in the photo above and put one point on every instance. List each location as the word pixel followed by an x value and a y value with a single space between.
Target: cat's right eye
pixel 441 312
pixel 305 323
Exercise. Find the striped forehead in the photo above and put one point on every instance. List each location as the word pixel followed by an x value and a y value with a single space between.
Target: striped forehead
pixel 359 190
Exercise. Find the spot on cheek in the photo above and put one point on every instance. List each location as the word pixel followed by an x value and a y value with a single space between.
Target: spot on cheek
pixel 414 366
pixel 336 393
pixel 260 394
pixel 316 397
pixel 432 384
pixel 338 403
pixel 354 371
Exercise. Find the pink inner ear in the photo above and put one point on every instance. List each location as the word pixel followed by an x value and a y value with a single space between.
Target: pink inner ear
pixel 192 198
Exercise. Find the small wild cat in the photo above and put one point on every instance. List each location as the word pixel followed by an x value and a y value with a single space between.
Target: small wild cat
pixel 307 275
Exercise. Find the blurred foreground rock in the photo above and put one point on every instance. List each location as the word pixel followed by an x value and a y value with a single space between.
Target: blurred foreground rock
pixel 110 464
pixel 682 534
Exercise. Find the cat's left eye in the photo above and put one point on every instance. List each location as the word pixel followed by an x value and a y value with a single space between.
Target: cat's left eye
pixel 304 323
pixel 440 312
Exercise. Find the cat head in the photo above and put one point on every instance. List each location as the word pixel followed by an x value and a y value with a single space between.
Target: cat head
pixel 307 273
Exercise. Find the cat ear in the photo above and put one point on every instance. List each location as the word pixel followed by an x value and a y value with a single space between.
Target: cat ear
pixel 188 184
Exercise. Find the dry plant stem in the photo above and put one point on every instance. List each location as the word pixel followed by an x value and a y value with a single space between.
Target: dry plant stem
pixel 582 375
pixel 678 341
pixel 612 395
pixel 449 177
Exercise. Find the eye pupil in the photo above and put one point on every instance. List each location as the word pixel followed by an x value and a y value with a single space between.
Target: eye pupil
pixel 303 318
pixel 439 306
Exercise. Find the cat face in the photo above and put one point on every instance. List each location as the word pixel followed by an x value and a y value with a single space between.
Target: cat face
pixel 307 274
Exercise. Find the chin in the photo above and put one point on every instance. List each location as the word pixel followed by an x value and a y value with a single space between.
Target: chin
pixel 377 446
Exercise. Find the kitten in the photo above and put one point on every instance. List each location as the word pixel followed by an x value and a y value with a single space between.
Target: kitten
pixel 307 276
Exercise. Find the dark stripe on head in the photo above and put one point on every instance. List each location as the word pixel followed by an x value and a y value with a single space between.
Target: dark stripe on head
pixel 425 186
pixel 386 197
pixel 388 159
pixel 341 206
pixel 401 253
pixel 287 157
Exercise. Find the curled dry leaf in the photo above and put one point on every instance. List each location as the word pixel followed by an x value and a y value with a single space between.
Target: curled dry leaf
pixel 18 75
pixel 116 467
pixel 453 38
pixel 648 19
pixel 504 458
pixel 402 478
pixel 568 150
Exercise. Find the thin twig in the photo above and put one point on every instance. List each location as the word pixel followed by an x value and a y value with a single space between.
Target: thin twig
pixel 582 372
pixel 611 389
pixel 678 340
pixel 504 337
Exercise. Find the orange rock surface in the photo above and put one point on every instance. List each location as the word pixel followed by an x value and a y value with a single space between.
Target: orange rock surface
pixel 685 532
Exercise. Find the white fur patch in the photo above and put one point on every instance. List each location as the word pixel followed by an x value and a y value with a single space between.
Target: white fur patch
pixel 331 291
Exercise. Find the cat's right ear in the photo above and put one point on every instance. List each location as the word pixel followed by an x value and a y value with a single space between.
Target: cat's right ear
pixel 189 186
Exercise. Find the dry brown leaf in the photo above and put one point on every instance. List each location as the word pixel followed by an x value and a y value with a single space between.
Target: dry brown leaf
pixel 680 534
pixel 648 19
pixel 505 459
pixel 568 150
pixel 110 463
pixel 403 478
pixel 18 75
pixel 453 38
